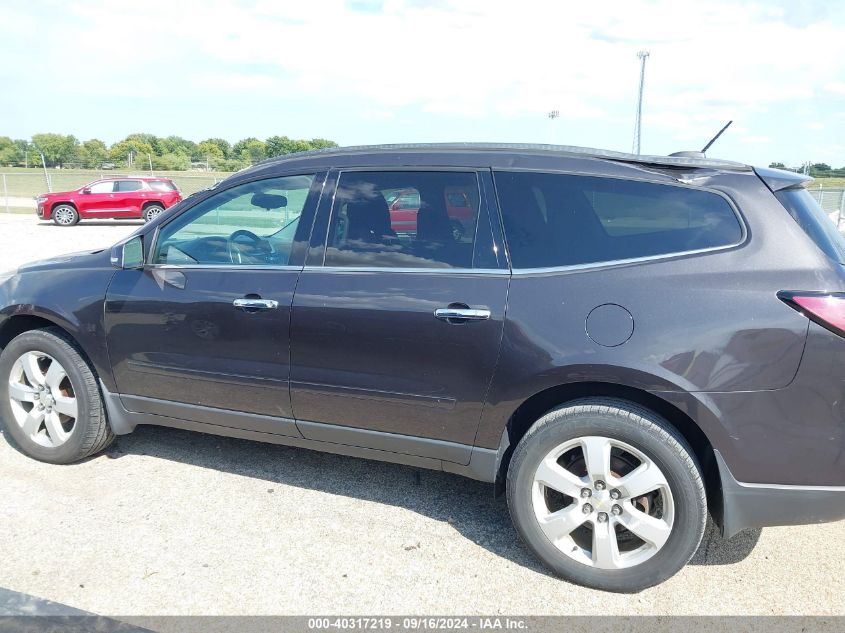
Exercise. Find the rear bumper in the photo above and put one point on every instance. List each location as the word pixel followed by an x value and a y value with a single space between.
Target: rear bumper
pixel 764 505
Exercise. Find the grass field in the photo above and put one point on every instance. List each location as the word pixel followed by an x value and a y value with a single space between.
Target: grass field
pixel 829 183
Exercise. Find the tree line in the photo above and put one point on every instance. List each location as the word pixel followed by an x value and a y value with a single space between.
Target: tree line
pixel 815 170
pixel 171 153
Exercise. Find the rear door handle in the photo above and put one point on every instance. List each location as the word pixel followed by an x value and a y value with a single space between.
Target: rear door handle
pixel 463 314
pixel 255 304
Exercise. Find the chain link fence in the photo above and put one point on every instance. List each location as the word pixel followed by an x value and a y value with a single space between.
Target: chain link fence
pixel 833 203
pixel 18 189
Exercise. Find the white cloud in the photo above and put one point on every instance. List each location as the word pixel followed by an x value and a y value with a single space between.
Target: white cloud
pixel 710 61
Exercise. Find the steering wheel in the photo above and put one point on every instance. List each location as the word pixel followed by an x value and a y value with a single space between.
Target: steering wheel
pixel 257 248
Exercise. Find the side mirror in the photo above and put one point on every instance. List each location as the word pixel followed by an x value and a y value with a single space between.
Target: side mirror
pixel 87 190
pixel 128 255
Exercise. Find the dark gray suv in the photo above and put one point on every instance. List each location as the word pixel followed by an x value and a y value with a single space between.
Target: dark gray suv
pixel 621 343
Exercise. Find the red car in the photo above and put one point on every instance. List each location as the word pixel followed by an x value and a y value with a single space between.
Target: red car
pixel 122 197
pixel 405 203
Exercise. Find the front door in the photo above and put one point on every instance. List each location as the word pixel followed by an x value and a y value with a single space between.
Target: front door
pixel 99 199
pixel 393 332
pixel 201 333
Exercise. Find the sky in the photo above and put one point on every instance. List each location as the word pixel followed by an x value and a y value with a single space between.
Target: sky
pixel 406 71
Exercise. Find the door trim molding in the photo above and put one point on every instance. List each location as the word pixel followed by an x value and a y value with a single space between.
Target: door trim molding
pixel 208 415
pixel 475 463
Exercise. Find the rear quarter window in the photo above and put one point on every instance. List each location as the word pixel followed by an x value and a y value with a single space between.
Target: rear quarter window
pixel 562 220
pixel 161 185
pixel 814 222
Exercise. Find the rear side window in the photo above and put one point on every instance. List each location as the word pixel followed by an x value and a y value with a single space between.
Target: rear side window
pixel 404 219
pixel 161 185
pixel 814 221
pixel 128 185
pixel 563 220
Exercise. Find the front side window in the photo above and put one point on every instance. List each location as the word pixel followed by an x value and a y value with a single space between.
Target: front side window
pixel 128 185
pixel 250 224
pixel 106 186
pixel 403 219
pixel 561 220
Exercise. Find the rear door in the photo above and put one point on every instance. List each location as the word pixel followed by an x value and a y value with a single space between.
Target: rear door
pixel 129 195
pixel 395 336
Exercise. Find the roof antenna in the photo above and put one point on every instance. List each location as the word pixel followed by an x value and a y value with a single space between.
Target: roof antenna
pixel 713 140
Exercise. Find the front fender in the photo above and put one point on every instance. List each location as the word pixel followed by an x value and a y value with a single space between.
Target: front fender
pixel 71 298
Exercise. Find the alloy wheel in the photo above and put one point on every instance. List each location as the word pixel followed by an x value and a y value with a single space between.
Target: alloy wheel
pixel 153 212
pixel 42 399
pixel 603 502
pixel 64 215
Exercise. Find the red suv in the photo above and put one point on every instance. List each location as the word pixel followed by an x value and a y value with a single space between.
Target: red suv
pixel 118 197
pixel 405 204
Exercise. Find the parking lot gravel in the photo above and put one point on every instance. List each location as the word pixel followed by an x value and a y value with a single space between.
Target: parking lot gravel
pixel 170 522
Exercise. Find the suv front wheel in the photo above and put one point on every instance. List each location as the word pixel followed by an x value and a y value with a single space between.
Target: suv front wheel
pixel 65 215
pixel 49 398
pixel 607 494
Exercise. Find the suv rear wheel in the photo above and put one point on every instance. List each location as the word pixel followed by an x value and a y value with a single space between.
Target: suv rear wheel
pixel 607 494
pixel 49 398
pixel 65 215
pixel 152 211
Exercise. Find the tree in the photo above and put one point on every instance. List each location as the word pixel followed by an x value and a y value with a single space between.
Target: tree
pixel 177 145
pixel 10 152
pixel 250 150
pixel 777 165
pixel 93 153
pixel 321 143
pixel 143 138
pixel 57 148
pixel 223 144
pixel 281 145
pixel 210 150
pixel 119 152
pixel 172 162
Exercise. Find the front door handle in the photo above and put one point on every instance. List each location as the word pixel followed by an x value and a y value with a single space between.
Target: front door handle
pixel 251 305
pixel 462 314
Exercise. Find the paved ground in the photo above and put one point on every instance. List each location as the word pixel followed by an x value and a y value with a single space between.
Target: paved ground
pixel 170 522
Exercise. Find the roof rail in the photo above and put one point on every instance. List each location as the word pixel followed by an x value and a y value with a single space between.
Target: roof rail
pixel 674 160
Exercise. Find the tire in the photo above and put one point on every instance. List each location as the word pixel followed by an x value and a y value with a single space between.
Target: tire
pixel 65 215
pixel 638 440
pixel 58 438
pixel 152 211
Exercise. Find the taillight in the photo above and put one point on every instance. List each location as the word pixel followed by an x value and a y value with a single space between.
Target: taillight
pixel 825 308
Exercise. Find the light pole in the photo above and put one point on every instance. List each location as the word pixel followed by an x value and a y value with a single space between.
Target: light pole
pixel 554 114
pixel 44 165
pixel 638 127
